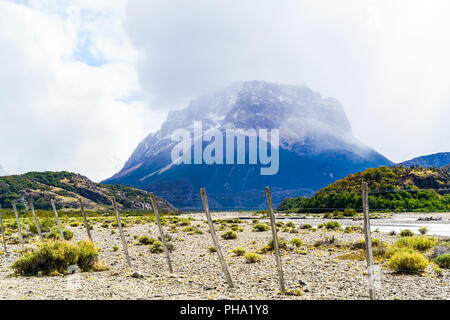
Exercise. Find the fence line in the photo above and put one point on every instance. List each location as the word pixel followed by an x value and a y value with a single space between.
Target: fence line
pixel 367 233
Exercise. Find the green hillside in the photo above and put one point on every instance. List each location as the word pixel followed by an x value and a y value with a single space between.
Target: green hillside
pixel 390 189
pixel 66 188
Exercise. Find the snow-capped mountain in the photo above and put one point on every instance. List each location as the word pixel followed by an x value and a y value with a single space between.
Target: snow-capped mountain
pixel 317 147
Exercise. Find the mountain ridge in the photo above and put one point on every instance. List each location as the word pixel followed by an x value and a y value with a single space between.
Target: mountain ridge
pixel 66 188
pixel 437 160
pixel 316 145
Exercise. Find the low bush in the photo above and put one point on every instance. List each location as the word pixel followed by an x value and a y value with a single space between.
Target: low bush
pixel 252 257
pixel 361 244
pixel 407 262
pixel 53 257
pixel 229 235
pixel 423 230
pixel 443 261
pixel 239 251
pixel 419 243
pixel 212 249
pixel 331 225
pixel 296 242
pixel 145 240
pixel 406 233
pixel 260 227
pixel 156 247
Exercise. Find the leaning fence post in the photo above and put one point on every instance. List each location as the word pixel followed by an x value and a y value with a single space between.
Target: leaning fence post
pixel 36 222
pixel 214 237
pixel 275 241
pixel 161 232
pixel 122 236
pixel 57 219
pixel 368 239
pixel 2 229
pixel 18 222
pixel 86 224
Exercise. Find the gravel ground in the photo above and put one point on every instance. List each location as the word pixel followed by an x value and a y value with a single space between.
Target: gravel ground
pixel 316 271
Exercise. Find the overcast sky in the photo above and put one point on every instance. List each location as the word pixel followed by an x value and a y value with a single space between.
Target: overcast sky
pixel 82 82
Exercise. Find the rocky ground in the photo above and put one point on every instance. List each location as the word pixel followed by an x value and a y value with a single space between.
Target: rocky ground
pixel 317 271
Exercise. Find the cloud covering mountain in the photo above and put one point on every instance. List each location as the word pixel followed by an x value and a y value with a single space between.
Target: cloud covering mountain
pixel 316 146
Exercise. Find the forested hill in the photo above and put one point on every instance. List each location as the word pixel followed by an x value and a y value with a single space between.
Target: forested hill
pixel 395 188
pixel 66 188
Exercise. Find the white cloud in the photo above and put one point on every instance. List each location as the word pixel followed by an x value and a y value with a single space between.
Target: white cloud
pixel 74 74
pixel 386 61
pixel 58 113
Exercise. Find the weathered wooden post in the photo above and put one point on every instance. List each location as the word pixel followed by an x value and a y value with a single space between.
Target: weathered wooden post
pixel 36 222
pixel 122 236
pixel 18 222
pixel 57 219
pixel 275 242
pixel 86 224
pixel 2 229
pixel 161 231
pixel 214 237
pixel 368 239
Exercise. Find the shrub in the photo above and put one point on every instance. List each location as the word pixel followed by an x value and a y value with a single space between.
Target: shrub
pixel 145 240
pixel 54 235
pixel 156 247
pixel 443 261
pixel 423 230
pixel 393 250
pixel 406 233
pixel 294 292
pixel 350 213
pixel 87 255
pixel 332 225
pixel 212 249
pixel 290 224
pixel 252 257
pixel 115 248
pixel 361 244
pixel 325 241
pixel 45 225
pixel 239 251
pixel 260 227
pixel 270 247
pixel 417 243
pixel 68 235
pixel 52 257
pixel 306 226
pixel 296 242
pixel 229 235
pixel 408 262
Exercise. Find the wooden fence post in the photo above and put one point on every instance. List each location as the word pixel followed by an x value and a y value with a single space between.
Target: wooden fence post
pixel 161 231
pixel 57 219
pixel 275 242
pixel 368 239
pixel 122 236
pixel 2 229
pixel 18 222
pixel 36 222
pixel 86 224
pixel 214 237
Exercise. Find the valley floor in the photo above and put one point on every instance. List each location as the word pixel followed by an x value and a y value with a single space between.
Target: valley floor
pixel 319 272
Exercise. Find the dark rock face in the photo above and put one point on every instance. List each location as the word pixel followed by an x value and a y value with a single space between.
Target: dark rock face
pixel 316 148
